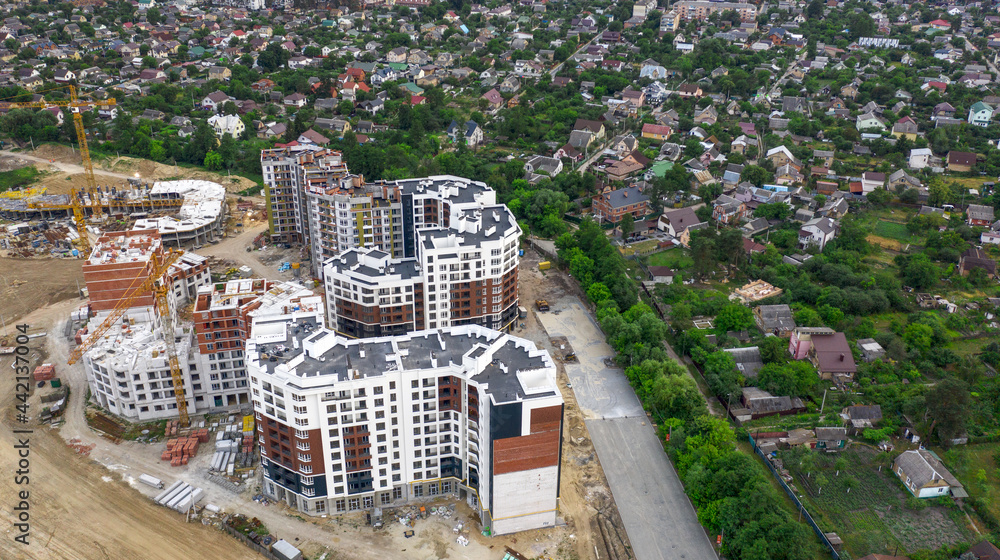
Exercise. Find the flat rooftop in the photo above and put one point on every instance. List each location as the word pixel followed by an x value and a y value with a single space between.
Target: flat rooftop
pixel 204 203
pixel 127 247
pixel 511 368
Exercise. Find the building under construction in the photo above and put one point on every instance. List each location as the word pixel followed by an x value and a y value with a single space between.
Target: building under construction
pixel 127 366
pixel 183 212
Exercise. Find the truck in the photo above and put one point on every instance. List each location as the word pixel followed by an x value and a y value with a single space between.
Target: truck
pixel 542 305
pixel 151 481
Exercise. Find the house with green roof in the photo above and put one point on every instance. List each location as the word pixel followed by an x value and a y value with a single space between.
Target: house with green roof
pixel 980 114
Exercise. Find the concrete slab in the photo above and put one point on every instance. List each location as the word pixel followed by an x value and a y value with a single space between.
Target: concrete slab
pixel 660 520
pixel 601 392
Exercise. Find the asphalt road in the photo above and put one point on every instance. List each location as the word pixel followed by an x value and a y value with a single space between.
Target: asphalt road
pixel 660 521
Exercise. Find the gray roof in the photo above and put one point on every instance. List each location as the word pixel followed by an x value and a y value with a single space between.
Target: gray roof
pixel 865 412
pixel 775 317
pixel 748 360
pixel 622 197
pixel 496 218
pixel 924 468
pixel 980 212
pixel 374 357
pixel 831 433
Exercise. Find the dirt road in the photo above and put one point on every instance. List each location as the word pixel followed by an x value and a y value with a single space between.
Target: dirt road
pixel 233 248
pixel 58 165
pixel 29 284
pixel 77 511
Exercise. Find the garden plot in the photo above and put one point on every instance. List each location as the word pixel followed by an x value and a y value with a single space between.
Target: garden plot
pixel 869 509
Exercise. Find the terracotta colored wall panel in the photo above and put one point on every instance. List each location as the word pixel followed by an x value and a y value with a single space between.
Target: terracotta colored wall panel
pixel 526 452
pixel 545 419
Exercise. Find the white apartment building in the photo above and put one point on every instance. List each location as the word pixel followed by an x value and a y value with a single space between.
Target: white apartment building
pixel 348 425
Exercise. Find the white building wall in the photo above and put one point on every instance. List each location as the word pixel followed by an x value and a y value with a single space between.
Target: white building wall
pixel 523 500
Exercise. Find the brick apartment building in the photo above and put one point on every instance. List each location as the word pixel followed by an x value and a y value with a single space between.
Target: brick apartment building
pixel 612 205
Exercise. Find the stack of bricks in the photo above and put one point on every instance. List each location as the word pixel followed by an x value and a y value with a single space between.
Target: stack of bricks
pixel 172 427
pixel 179 450
pixel 201 434
pixel 45 372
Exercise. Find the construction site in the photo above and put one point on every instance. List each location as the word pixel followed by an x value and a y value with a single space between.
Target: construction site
pixel 140 396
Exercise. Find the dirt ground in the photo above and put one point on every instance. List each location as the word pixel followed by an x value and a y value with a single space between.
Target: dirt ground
pixel 76 510
pixel 121 522
pixel 63 174
pixel 30 284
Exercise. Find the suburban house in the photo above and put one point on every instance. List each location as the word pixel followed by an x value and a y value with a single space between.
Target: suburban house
pixel 905 127
pixel 870 349
pixel 728 210
pixel 471 133
pixel 860 417
pixel 748 360
pixel 540 166
pixel 612 205
pixel 758 403
pixel 656 131
pixel 219 73
pixel 312 137
pixel 817 232
pixel 230 125
pixel 962 162
pixel 973 258
pixel 831 354
pixel 679 223
pixel 831 439
pixel 980 114
pixel 979 215
pixel 662 274
pixel 774 319
pixel 925 476
pixel 920 158
pixel 985 551
pixel 215 100
pixel 871 180
pixel 494 99
pixel 800 341
pixel 595 127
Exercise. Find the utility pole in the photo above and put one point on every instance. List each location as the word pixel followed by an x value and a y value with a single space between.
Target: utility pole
pixel 824 403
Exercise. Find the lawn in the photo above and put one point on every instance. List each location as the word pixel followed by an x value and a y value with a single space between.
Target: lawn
pixel 18 178
pixel 965 461
pixel 867 507
pixel 895 230
pixel 676 259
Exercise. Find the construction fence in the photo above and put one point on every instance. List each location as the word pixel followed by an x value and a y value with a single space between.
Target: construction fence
pixel 264 551
pixel 795 499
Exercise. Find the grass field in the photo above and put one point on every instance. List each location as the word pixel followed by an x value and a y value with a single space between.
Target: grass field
pixel 676 259
pixel 18 178
pixel 895 230
pixel 866 506
pixel 966 460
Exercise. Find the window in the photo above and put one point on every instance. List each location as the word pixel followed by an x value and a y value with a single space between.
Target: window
pixel 354 504
pixel 418 490
pixel 397 493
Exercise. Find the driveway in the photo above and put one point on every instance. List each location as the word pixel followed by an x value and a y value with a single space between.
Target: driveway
pixel 660 520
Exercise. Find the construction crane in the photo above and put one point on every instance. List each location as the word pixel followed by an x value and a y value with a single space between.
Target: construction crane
pixel 75 105
pixel 158 284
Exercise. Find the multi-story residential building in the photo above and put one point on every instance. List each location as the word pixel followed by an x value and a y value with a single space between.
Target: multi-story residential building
pixel 701 9
pixel 287 172
pixel 348 425
pixel 127 367
pixel 222 316
pixel 459 275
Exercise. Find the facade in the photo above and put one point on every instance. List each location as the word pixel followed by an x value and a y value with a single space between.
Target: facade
pixel 349 425
pixel 459 275
pixel 817 233
pixel 612 205
pixel 980 114
pixel 924 475
pixel 223 314
pixel 287 172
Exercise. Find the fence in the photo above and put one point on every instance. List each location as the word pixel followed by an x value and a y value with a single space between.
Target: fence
pixel 795 500
pixel 256 547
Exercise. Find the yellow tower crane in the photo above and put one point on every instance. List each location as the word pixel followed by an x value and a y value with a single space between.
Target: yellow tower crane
pixel 158 283
pixel 76 106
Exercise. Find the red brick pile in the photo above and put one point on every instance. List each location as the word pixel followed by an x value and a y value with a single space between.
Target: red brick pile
pixel 45 372
pixel 180 450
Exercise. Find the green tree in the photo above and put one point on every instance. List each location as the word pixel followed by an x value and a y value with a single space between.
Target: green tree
pixel 734 317
pixel 918 336
pixel 598 292
pixel 756 175
pixel 948 404
pixel 627 225
pixel 213 161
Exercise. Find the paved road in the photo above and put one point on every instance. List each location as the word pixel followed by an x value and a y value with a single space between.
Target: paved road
pixel 71 168
pixel 660 521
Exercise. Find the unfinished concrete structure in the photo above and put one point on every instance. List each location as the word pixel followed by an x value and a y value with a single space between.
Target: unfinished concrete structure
pixel 200 219
pixel 347 425
pixel 223 314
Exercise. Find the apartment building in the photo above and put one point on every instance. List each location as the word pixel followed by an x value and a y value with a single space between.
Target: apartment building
pixel 222 316
pixel 120 261
pixel 127 369
pixel 460 275
pixel 701 9
pixel 287 172
pixel 348 425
